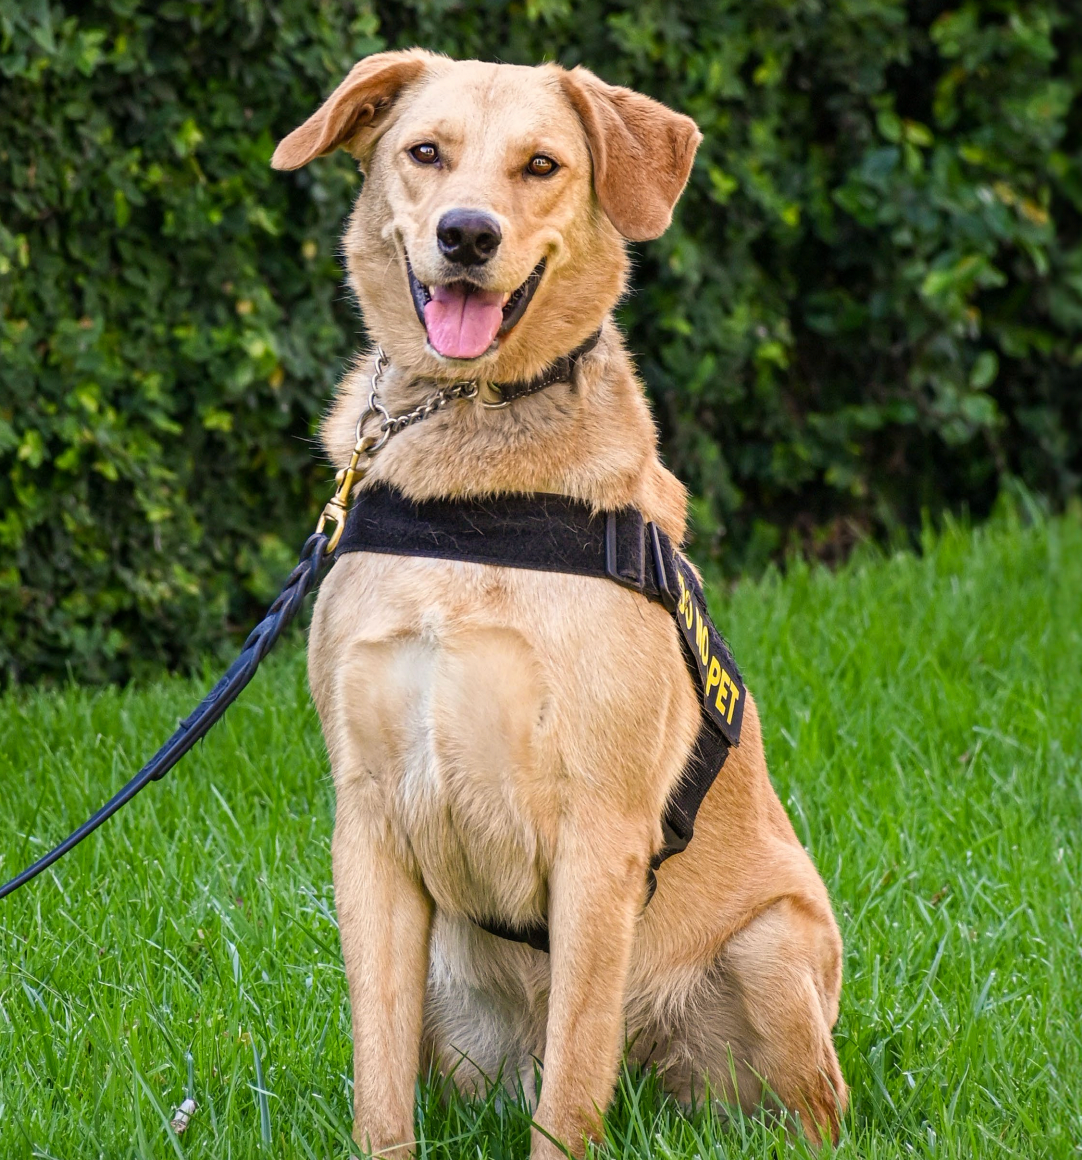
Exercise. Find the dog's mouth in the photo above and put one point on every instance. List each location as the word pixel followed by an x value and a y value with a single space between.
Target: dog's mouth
pixel 462 320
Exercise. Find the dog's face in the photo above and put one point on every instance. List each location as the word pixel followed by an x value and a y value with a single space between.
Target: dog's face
pixel 484 178
pixel 488 237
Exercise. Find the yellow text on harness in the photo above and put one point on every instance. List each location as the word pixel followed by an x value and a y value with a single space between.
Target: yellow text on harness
pixel 722 689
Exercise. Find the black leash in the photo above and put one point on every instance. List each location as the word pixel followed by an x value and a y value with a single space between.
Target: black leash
pixel 545 533
pixel 198 723
pixel 302 579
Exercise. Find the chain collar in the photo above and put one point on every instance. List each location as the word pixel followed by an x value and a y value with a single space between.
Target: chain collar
pixel 389 425
pixel 366 447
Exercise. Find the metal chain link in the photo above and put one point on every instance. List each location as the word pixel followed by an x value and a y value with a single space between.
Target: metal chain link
pixel 366 446
pixel 391 425
pixel 435 402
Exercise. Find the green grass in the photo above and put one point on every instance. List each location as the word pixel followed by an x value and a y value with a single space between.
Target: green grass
pixel 923 722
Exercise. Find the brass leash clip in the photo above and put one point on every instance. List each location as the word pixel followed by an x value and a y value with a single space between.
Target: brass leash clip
pixel 337 507
pixel 364 446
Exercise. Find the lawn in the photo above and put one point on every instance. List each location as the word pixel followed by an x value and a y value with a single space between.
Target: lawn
pixel 923 721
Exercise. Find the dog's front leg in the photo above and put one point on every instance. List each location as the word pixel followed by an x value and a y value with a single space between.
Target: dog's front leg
pixel 384 917
pixel 596 892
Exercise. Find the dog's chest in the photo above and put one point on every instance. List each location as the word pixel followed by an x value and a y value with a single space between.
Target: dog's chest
pixel 480 706
pixel 449 709
pixel 469 785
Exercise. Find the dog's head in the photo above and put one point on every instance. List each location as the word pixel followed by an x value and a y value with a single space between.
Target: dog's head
pixel 488 236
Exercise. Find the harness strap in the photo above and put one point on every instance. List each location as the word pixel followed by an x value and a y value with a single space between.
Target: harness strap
pixel 541 533
pixel 555 533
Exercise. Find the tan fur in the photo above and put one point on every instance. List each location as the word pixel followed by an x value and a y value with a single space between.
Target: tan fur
pixel 503 742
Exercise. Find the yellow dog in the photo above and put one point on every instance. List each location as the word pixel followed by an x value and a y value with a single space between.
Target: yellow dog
pixel 504 741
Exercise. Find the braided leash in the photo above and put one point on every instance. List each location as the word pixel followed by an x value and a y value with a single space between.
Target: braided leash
pixel 208 711
pixel 317 549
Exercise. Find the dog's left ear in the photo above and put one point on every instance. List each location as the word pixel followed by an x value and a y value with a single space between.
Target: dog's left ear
pixel 641 150
pixel 351 115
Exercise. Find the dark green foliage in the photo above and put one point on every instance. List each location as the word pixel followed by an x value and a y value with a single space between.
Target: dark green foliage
pixel 870 304
pixel 172 319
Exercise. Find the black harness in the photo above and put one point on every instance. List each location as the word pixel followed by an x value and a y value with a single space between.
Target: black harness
pixel 554 533
pixel 546 533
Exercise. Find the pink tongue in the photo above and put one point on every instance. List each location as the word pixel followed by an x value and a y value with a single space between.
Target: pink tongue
pixel 462 323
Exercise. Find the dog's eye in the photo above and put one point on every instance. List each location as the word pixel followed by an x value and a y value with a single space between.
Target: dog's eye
pixel 426 153
pixel 541 166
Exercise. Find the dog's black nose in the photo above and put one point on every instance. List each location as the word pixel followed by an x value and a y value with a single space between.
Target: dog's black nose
pixel 468 236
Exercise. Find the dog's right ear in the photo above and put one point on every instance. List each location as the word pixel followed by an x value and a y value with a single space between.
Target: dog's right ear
pixel 352 114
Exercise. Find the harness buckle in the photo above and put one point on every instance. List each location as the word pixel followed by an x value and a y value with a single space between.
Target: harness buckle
pixel 661 577
pixel 635 580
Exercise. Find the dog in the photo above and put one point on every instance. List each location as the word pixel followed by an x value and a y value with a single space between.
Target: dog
pixel 503 742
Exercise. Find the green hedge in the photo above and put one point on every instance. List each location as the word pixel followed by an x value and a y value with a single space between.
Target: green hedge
pixel 870 304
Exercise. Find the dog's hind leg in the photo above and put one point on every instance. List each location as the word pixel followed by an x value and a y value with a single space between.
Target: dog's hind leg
pixel 384 916
pixel 763 1017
